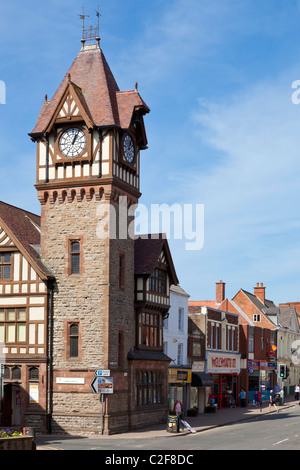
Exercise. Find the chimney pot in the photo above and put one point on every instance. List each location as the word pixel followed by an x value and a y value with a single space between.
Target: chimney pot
pixel 259 291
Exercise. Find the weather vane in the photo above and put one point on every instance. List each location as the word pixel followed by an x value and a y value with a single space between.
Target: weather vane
pixel 91 32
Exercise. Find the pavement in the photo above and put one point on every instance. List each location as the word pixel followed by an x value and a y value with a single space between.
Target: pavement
pixel 206 421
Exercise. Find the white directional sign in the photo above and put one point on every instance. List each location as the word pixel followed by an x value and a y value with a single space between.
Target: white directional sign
pixel 102 385
pixel 102 373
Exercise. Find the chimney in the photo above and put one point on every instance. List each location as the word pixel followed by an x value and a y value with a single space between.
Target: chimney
pixel 259 291
pixel 220 292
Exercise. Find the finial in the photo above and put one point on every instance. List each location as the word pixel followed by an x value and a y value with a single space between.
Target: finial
pixel 136 86
pixel 46 97
pixel 91 32
pixel 69 77
pixel 82 17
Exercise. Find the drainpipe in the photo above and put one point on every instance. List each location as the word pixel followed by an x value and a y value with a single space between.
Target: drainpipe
pixel 50 367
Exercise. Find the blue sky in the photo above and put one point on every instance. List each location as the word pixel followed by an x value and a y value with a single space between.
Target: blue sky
pixel 223 130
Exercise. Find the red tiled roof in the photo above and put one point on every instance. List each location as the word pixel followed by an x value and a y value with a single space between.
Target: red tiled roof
pixel 24 229
pixel 99 92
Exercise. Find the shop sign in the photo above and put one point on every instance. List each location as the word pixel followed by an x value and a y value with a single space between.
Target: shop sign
pixel 267 365
pixel 223 363
pixel 262 365
pixel 180 375
pixel 253 364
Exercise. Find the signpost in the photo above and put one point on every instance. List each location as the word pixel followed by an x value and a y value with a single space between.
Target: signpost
pixel 102 384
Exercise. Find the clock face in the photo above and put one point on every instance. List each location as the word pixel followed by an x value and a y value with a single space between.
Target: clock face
pixel 72 142
pixel 129 150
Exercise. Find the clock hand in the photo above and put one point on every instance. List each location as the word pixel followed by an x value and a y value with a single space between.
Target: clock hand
pixel 76 135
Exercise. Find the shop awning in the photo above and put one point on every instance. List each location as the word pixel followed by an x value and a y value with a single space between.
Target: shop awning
pixel 201 379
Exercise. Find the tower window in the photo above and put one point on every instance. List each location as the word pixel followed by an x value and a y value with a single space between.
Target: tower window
pixel 75 257
pixel 74 339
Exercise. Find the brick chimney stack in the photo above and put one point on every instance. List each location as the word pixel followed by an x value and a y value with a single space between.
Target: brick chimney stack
pixel 220 292
pixel 259 291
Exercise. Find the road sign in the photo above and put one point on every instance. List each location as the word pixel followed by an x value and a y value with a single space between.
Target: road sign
pixel 102 373
pixel 106 385
pixel 102 385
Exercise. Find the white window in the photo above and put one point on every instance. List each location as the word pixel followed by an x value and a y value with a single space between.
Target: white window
pixel 256 317
pixel 180 319
pixel 180 354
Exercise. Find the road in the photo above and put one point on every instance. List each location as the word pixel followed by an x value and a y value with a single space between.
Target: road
pixel 274 431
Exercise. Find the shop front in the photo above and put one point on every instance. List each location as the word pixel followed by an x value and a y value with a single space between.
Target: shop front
pixel 261 377
pixel 224 369
pixel 179 386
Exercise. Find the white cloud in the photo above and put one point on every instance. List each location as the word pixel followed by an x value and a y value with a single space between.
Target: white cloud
pixel 251 192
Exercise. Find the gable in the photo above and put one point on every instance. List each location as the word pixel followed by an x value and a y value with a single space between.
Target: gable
pixel 69 108
pixel 5 240
pixel 21 230
pixel 151 251
pixel 250 305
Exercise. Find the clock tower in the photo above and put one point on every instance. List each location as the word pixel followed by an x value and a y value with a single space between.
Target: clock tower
pixel 89 137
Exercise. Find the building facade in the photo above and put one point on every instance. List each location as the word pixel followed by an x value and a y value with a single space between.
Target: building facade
pixel 24 301
pixel 88 296
pixel 214 339
pixel 176 345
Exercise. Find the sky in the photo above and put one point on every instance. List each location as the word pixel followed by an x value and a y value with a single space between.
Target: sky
pixel 223 131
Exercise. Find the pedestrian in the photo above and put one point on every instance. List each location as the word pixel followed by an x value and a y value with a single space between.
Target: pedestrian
pixel 257 398
pixel 232 402
pixel 243 398
pixel 273 400
pixel 297 391
pixel 178 408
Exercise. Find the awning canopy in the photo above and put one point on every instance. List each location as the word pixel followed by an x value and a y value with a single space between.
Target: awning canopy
pixel 201 379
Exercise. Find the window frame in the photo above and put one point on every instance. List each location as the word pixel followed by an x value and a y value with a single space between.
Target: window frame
pixel 4 264
pixel 150 330
pixel 148 388
pixel 158 282
pixel 75 254
pixel 71 337
pixel 14 323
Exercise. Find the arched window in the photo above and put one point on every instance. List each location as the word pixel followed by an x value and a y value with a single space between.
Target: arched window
pixel 34 373
pixel 75 257
pixel 74 339
pixel 16 373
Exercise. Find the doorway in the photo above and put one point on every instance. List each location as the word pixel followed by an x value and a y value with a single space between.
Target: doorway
pixel 11 406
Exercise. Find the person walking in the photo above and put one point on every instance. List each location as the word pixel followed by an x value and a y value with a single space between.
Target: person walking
pixel 178 408
pixel 243 398
pixel 297 391
pixel 257 398
pixel 272 401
